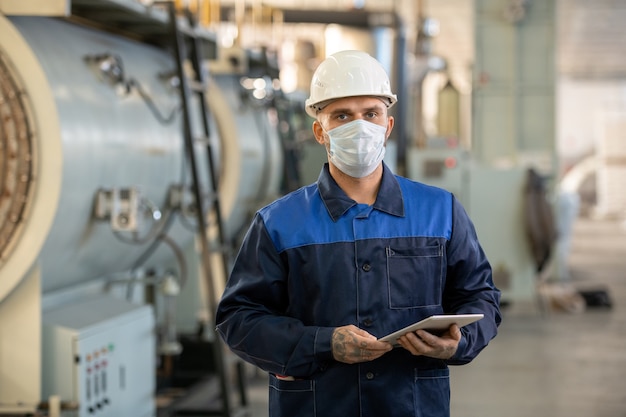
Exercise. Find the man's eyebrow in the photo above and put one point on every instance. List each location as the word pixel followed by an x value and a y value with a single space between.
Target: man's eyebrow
pixel 377 107
pixel 340 111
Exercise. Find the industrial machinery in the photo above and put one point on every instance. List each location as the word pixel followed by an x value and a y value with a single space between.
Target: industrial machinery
pixel 104 220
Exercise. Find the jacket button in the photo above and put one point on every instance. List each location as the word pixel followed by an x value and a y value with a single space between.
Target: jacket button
pixel 367 322
pixel 369 375
pixel 367 267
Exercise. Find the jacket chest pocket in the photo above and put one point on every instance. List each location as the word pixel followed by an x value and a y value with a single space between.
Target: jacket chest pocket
pixel 414 276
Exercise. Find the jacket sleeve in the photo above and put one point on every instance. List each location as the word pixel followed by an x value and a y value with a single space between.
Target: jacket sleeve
pixel 469 287
pixel 251 313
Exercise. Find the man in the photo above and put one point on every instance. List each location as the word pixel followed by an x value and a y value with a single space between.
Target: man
pixel 328 269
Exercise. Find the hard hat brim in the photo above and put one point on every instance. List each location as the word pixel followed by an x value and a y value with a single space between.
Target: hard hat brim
pixel 313 109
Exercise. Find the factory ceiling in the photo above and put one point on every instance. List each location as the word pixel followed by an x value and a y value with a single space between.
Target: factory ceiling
pixel 591 35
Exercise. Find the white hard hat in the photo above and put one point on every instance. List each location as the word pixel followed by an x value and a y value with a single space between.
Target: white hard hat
pixel 348 74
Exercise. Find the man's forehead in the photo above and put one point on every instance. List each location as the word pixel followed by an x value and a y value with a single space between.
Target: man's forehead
pixel 355 103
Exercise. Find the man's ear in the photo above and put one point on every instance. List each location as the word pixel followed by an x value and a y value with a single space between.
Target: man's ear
pixel 390 123
pixel 318 132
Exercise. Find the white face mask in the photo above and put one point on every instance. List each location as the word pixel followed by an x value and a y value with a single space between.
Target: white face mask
pixel 357 148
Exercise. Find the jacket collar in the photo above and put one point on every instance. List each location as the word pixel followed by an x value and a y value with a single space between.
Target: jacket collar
pixel 389 198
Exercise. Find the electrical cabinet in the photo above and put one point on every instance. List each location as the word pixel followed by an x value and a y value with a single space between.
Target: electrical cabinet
pixel 99 357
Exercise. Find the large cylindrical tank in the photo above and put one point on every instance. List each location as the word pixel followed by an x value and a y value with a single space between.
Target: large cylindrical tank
pixel 66 132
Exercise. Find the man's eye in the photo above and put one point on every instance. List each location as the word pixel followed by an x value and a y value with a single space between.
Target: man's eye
pixel 342 117
pixel 371 115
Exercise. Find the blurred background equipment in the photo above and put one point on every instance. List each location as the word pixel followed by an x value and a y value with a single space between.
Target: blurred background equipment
pixel 123 196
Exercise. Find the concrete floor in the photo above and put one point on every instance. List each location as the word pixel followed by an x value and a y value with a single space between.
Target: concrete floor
pixel 547 365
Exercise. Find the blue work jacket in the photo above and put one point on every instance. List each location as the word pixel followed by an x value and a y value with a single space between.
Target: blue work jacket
pixel 315 260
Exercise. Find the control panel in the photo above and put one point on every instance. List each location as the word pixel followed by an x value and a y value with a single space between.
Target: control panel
pixel 100 354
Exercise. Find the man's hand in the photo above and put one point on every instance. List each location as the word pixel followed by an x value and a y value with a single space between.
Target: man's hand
pixel 352 345
pixel 424 343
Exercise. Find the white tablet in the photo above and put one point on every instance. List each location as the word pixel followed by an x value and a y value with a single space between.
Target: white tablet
pixel 434 323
